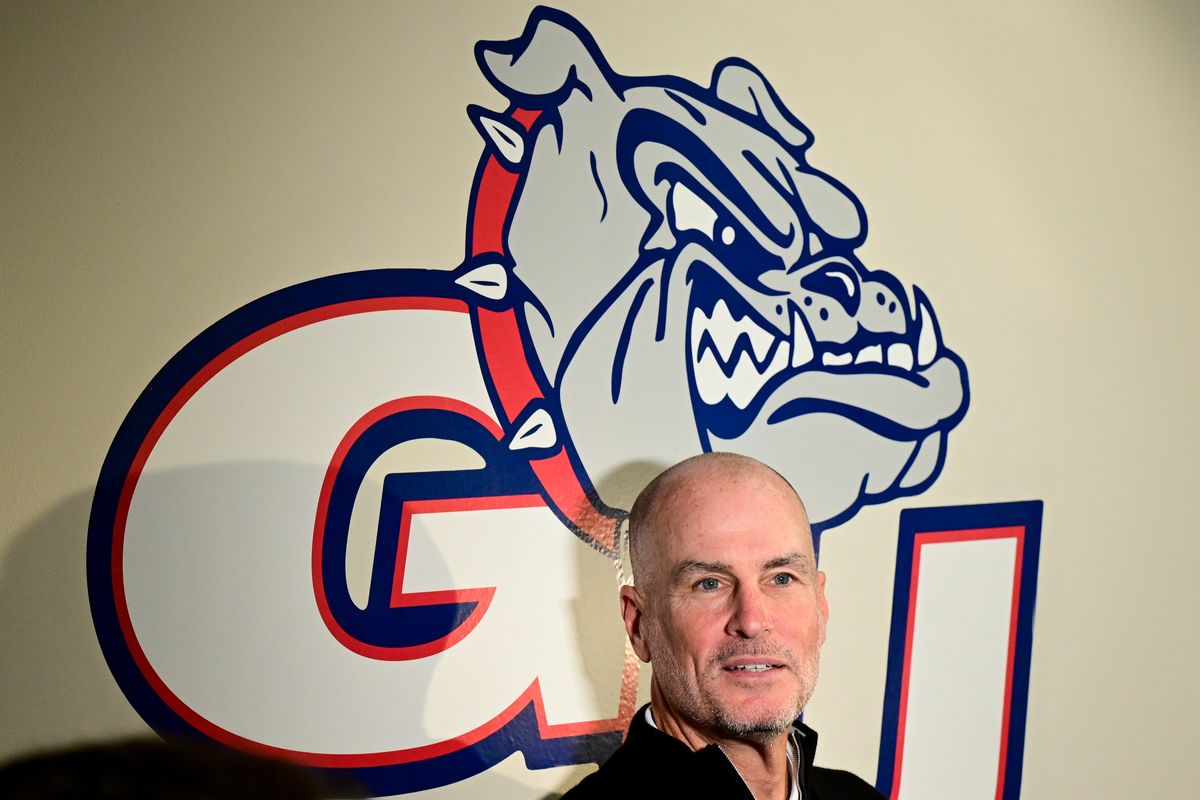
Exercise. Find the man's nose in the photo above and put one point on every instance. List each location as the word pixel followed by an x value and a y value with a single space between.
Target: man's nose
pixel 749 617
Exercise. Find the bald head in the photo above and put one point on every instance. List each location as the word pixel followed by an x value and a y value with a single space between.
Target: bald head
pixel 695 476
pixel 727 602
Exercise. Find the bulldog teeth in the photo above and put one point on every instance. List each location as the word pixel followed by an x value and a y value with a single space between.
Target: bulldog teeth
pixel 729 370
pixel 900 355
pixel 745 382
pixel 802 346
pixel 929 338
pixel 710 380
pixel 699 326
pixel 760 341
pixel 870 355
pixel 724 329
pixel 748 381
pixel 780 362
pixel 741 380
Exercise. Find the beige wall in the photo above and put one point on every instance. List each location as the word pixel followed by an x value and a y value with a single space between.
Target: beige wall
pixel 1033 167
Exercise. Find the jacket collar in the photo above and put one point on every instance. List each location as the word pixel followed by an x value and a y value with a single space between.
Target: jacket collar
pixel 645 735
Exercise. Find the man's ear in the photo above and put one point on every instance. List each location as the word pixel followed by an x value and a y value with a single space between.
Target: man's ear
pixel 633 612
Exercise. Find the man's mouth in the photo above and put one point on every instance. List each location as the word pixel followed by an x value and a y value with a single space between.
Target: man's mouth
pixel 753 667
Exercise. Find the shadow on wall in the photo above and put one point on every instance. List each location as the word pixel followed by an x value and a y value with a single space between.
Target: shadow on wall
pixel 56 686
pixel 599 594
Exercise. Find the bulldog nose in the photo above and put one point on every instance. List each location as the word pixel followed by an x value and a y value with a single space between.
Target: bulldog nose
pixel 838 281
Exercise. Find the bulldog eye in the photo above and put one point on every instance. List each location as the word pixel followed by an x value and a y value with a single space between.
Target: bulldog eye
pixel 690 213
pixel 731 243
pixel 741 253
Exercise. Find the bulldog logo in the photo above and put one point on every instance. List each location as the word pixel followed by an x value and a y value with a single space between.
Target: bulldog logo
pixel 690 282
pixel 351 493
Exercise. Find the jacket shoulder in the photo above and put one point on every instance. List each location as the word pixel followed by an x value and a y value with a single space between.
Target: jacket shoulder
pixel 625 774
pixel 837 784
pixel 592 786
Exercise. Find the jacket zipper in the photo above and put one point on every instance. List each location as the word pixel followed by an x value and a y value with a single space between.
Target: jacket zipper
pixel 796 753
pixel 795 771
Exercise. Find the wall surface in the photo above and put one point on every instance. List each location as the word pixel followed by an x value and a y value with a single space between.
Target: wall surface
pixel 1032 167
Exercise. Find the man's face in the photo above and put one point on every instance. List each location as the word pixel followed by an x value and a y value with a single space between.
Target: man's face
pixel 729 606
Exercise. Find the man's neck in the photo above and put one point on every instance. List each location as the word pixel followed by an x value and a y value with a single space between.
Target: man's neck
pixel 762 764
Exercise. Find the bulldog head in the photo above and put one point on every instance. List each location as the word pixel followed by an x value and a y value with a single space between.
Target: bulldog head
pixel 694 284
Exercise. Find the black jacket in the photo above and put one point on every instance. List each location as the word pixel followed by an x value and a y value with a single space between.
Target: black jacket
pixel 652 764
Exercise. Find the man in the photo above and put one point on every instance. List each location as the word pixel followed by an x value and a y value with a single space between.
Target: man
pixel 729 608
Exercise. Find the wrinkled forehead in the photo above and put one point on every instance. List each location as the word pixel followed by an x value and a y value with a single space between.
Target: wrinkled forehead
pixel 717 515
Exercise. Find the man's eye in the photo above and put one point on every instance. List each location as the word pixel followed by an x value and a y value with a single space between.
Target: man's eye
pixel 782 579
pixel 708 585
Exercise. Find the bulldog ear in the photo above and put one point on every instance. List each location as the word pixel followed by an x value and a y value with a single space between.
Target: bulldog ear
pixel 830 205
pixel 554 55
pixel 738 83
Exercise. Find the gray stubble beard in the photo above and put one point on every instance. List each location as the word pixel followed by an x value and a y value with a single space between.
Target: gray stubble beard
pixel 702 710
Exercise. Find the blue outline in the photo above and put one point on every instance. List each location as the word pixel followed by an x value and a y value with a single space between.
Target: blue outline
pixel 913 521
pixel 379 624
pixel 520 734
pixel 626 332
pixel 641 125
pixel 154 399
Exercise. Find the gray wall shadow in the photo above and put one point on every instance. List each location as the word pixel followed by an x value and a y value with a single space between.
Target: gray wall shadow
pixel 597 601
pixel 55 687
